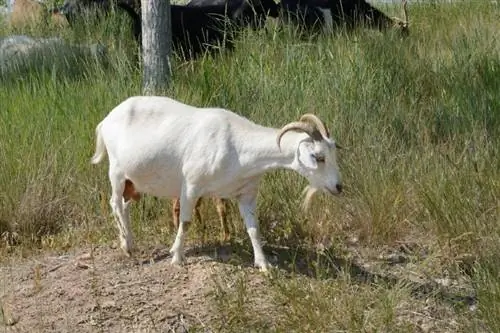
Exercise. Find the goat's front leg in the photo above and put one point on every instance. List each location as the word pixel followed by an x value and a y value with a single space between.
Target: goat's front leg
pixel 247 205
pixel 187 202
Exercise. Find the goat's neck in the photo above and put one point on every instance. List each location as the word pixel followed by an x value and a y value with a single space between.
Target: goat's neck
pixel 261 152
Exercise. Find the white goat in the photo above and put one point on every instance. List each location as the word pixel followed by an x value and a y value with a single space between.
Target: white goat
pixel 165 148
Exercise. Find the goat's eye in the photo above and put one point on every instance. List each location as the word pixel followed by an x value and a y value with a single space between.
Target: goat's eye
pixel 319 159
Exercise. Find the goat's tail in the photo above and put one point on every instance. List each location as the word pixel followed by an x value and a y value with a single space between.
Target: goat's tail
pixel 100 147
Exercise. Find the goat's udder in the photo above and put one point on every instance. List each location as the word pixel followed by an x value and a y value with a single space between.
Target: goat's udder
pixel 129 192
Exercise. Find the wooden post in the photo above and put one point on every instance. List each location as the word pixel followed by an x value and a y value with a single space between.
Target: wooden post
pixel 156 46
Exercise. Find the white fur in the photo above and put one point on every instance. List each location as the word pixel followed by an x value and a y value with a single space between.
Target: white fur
pixel 170 149
pixel 327 17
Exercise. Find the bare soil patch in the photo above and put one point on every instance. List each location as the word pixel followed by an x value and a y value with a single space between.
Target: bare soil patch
pixel 103 291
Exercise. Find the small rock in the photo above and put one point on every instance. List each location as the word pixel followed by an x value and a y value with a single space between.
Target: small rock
pixel 85 256
pixel 353 240
pixel 396 258
pixel 82 265
pixel 109 304
pixel 445 282
pixel 8 318
pixel 158 302
pixel 467 258
pixel 393 258
pixel 427 327
pixel 93 308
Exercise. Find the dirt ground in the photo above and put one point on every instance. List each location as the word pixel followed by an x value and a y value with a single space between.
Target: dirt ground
pixel 106 292
pixel 101 290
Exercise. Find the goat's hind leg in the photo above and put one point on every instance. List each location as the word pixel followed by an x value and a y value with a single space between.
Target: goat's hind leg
pixel 200 220
pixel 121 212
pixel 176 210
pixel 221 206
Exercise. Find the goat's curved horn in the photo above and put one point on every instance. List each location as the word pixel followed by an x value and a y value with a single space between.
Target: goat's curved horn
pixel 316 122
pixel 298 126
pixel 402 23
pixel 405 11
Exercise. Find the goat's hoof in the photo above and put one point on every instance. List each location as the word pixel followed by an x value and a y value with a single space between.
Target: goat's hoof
pixel 127 253
pixel 263 266
pixel 126 248
pixel 177 259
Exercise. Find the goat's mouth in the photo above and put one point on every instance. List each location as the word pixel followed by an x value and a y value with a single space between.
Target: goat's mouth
pixel 336 191
pixel 330 191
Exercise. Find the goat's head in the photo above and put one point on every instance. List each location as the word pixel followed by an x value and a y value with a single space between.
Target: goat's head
pixel 315 157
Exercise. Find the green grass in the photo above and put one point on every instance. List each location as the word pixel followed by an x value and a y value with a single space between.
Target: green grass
pixel 420 118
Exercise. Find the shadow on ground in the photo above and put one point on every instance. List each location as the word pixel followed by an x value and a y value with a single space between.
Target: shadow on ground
pixel 317 265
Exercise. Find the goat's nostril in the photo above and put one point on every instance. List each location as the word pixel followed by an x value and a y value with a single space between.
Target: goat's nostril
pixel 339 188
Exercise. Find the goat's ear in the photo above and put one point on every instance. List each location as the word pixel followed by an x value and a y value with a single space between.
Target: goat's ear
pixel 306 155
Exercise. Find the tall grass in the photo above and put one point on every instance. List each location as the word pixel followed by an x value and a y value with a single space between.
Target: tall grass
pixel 420 118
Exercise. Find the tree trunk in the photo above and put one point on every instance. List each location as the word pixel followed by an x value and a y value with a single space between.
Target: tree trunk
pixel 156 46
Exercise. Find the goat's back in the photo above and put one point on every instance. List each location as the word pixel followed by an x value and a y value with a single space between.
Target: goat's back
pixel 153 123
pixel 155 141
